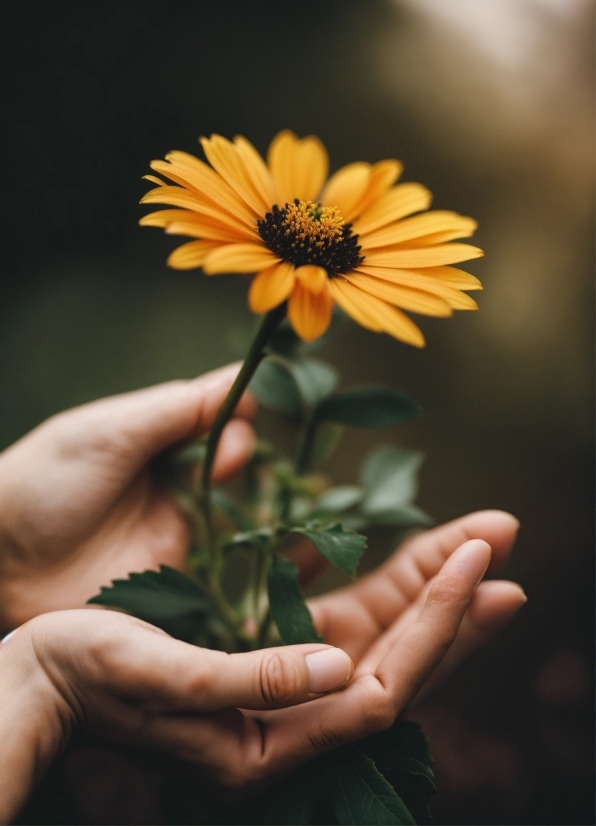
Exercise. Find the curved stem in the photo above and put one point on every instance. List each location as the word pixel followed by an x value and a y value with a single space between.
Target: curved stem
pixel 253 358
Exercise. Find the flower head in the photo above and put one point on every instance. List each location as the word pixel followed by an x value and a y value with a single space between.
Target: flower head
pixel 358 239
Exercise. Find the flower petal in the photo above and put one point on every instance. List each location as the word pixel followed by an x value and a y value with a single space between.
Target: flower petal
pixel 239 258
pixel 346 187
pixel 408 298
pixel 258 171
pixel 298 166
pixel 163 217
pixel 423 256
pixel 309 313
pixel 418 226
pixel 312 278
pixel 210 188
pixel 192 255
pixel 420 280
pixel 154 180
pixel 178 196
pixel 373 313
pixel 452 277
pixel 383 174
pixel 401 200
pixel 186 222
pixel 227 161
pixel 270 287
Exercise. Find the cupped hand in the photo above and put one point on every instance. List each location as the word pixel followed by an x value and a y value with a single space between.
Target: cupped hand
pixel 79 506
pixel 127 682
pixel 242 749
pixel 366 618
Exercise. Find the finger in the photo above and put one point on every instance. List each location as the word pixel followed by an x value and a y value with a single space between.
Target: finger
pixel 140 424
pixel 494 604
pixel 371 702
pixel 391 588
pixel 236 446
pixel 424 643
pixel 139 663
pixel 241 749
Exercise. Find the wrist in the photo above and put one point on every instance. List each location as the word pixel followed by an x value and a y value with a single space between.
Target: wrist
pixel 35 722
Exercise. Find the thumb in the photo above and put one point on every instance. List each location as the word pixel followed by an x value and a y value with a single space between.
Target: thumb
pixel 182 677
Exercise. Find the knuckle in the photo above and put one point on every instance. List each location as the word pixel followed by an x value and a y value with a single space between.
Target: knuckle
pixel 281 679
pixel 377 710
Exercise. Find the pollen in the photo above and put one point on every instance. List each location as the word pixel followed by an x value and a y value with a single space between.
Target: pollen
pixel 306 232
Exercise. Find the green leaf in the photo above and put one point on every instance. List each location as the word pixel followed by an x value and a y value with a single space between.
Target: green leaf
pixel 360 794
pixel 404 516
pixel 168 599
pixel 315 379
pixel 284 341
pixel 288 608
pixel 389 476
pixel 401 754
pixel 339 498
pixel 327 438
pixel 275 387
pixel 405 739
pixel 368 407
pixel 260 538
pixel 340 547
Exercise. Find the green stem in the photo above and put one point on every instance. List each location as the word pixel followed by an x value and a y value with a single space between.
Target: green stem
pixel 306 445
pixel 253 358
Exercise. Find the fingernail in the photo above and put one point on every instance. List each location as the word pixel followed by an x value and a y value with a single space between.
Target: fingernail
pixel 473 558
pixel 328 670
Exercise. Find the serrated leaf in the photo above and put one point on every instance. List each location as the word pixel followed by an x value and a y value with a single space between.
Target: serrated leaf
pixel 168 599
pixel 389 476
pixel 275 387
pixel 339 498
pixel 404 740
pixel 316 380
pixel 360 794
pixel 288 609
pixel 368 407
pixel 340 547
pixel 401 754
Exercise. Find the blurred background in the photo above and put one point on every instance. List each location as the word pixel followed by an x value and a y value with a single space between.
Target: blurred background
pixel 489 103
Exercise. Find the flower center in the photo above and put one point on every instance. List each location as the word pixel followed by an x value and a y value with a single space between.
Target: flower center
pixel 309 233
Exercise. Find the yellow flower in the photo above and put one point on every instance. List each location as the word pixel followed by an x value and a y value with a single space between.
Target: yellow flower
pixel 353 239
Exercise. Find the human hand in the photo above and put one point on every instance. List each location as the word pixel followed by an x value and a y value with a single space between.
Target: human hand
pixel 367 617
pixel 77 501
pixel 127 682
pixel 241 748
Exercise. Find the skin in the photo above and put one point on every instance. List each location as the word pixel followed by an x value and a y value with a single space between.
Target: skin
pixel 80 509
